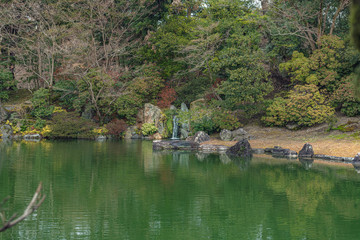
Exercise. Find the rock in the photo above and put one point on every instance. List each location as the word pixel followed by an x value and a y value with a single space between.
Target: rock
pixel 153 114
pixel 6 131
pixel 184 134
pixel 278 151
pixel 357 157
pixel 239 134
pixel 241 149
pixel 293 126
pixel 307 151
pixel 184 108
pixel 172 107
pixel 201 136
pixel 3 114
pixel 32 136
pixel 131 133
pixel 226 135
pixel 157 136
pixel 174 145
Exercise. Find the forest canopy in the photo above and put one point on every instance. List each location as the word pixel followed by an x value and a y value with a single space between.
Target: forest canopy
pixel 266 59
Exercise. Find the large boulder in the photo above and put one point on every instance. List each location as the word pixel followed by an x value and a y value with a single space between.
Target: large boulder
pixel 241 149
pixel 201 136
pixel 239 134
pixel 153 114
pixel 6 131
pixel 226 135
pixel 307 151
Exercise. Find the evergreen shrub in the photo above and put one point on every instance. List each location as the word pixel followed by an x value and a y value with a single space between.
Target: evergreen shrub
pixel 305 106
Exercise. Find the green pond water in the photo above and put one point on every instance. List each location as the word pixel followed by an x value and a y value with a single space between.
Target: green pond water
pixel 124 190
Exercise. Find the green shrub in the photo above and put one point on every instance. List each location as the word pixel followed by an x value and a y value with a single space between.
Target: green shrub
pixel 41 104
pixel 6 83
pixel 70 125
pixel 148 129
pixel 226 120
pixel 127 106
pixel 345 97
pixel 305 106
pixel 206 124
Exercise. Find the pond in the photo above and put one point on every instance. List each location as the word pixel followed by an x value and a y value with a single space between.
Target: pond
pixel 124 190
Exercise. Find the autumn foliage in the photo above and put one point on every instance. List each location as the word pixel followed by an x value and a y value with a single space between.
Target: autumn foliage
pixel 166 97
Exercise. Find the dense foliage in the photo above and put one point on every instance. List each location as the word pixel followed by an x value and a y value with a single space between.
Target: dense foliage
pixel 103 60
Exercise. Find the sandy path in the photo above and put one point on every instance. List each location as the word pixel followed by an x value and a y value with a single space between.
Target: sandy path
pixel 323 142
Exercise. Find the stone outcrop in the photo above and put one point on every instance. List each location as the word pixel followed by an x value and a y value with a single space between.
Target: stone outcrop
pixel 132 133
pixel 174 145
pixel 226 135
pixel 201 136
pixel 236 135
pixel 241 149
pixel 153 114
pixel 307 151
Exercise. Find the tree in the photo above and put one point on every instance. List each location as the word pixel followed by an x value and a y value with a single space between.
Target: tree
pixel 308 20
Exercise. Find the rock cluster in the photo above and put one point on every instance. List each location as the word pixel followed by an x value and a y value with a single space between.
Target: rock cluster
pixel 236 135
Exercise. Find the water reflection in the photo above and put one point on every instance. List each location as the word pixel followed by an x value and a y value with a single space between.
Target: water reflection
pixel 124 190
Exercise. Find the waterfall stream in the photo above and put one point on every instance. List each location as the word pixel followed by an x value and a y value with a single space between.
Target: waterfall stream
pixel 175 128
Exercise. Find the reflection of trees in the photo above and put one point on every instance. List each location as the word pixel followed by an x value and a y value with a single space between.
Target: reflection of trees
pixel 102 190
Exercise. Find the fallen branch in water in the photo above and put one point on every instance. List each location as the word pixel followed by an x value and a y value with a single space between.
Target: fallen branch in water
pixel 34 204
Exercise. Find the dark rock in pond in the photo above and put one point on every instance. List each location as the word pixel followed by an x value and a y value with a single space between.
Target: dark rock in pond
pixel 307 151
pixel 175 145
pixel 201 136
pixel 6 131
pixel 136 136
pixel 213 148
pixel 241 149
pixel 226 135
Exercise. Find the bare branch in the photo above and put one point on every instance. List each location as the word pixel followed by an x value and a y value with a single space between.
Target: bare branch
pixel 34 204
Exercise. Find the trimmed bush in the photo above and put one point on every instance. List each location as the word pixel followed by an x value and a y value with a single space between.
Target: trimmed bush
pixel 148 129
pixel 305 106
pixel 70 125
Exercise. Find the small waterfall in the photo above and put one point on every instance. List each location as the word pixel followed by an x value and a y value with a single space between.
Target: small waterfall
pixel 175 128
